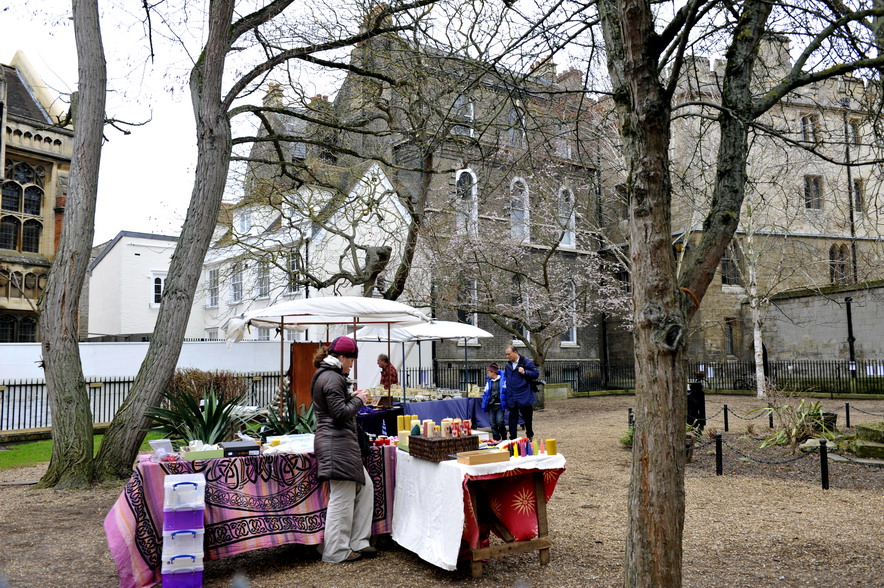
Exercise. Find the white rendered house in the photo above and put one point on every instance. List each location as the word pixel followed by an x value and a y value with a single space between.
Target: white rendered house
pixel 126 282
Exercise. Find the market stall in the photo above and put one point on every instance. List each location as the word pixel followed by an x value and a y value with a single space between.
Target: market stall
pixel 298 315
pixel 440 508
pixel 250 503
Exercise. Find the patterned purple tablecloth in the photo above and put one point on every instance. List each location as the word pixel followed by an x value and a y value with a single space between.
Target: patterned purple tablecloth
pixel 251 503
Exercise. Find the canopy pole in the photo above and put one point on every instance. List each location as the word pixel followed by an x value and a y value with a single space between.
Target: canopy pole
pixel 355 361
pixel 282 366
pixel 404 374
pixel 466 369
pixel 389 390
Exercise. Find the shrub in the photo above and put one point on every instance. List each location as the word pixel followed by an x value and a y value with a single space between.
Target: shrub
pixel 795 424
pixel 196 384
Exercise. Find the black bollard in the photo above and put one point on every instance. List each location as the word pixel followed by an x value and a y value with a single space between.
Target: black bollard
pixel 725 418
pixel 847 415
pixel 630 419
pixel 719 466
pixel 824 464
pixel 769 416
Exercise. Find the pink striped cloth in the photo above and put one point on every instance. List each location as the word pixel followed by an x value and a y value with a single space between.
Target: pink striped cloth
pixel 251 503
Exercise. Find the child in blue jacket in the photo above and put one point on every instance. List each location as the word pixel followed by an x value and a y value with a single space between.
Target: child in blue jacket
pixel 494 400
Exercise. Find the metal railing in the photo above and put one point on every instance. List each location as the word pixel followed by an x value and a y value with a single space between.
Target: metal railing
pixel 828 377
pixel 24 403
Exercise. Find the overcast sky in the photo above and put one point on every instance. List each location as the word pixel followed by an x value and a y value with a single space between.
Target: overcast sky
pixel 146 177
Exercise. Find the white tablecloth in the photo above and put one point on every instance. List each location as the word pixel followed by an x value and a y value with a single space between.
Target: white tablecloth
pixel 428 516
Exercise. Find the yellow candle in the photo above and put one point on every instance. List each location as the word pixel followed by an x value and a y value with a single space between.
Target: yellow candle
pixel 551 447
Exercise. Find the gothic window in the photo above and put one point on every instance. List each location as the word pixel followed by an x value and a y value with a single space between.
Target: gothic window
pixel 730 331
pixel 15 328
pixel 839 264
pixel 810 127
pixel 519 210
pixel 9 230
pixel 731 266
pixel 21 205
pixel 854 132
pixel 859 199
pixel 813 192
pixel 30 239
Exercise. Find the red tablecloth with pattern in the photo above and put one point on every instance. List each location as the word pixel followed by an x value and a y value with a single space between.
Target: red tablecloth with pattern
pixel 433 514
pixel 251 503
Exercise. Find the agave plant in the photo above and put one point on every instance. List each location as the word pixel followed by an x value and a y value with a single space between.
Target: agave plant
pixel 290 420
pixel 185 420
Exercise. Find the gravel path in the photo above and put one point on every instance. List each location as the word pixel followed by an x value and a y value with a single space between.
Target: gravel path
pixel 758 525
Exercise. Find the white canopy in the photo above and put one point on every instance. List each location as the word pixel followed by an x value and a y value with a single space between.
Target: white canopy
pixel 333 310
pixel 432 331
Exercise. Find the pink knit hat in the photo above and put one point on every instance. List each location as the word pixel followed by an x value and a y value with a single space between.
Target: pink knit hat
pixel 344 346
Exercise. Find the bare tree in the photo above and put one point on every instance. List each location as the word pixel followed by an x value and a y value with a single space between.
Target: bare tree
pixel 71 462
pixel 213 105
pixel 645 55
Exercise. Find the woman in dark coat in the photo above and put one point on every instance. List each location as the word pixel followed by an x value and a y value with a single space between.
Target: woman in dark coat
pixel 336 445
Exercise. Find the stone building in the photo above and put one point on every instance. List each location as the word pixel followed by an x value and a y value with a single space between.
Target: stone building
pixel 807 222
pixel 36 150
pixel 484 154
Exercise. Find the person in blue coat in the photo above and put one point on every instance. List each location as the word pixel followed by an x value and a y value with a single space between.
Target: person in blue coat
pixel 519 373
pixel 494 400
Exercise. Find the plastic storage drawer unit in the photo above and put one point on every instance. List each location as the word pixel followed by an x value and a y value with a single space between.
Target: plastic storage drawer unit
pixel 184 491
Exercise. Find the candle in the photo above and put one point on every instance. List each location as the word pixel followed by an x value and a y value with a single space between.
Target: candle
pixel 551 446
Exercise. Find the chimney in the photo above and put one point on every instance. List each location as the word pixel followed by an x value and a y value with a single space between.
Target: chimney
pixel 571 79
pixel 273 97
pixel 544 69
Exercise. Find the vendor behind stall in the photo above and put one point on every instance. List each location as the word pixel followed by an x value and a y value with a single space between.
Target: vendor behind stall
pixel 336 445
pixel 389 375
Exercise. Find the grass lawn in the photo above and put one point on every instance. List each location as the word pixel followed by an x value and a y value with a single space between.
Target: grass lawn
pixel 20 455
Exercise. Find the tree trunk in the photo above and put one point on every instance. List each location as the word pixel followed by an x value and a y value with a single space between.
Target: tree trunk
pixel 656 489
pixel 121 443
pixel 71 461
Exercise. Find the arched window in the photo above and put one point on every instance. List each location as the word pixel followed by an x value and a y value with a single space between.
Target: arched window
pixel 519 210
pixel 467 204
pixel 566 218
pixel 22 201
pixel 30 240
pixel 9 230
pixel 11 196
pixel 33 200
pixel 839 264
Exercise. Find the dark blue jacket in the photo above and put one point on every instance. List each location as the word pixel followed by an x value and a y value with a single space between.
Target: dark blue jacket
pixel 518 390
pixel 486 397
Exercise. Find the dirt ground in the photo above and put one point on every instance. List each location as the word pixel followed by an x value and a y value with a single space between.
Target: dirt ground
pixel 757 525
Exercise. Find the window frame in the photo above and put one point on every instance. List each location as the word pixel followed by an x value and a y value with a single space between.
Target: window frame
pixel 731 266
pixel 813 183
pixel 464 113
pixel 292 271
pixel 156 275
pixel 810 126
pixel 525 235
pixel 466 222
pixel 568 226
pixel 236 283
pixel 262 281
pixel 213 287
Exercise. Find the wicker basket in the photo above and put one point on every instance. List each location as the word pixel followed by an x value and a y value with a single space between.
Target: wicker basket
pixel 440 448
